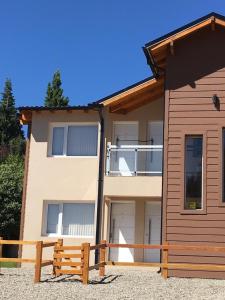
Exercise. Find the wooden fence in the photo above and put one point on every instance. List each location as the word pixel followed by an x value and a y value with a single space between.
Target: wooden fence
pixel 81 265
pixel 37 261
pixel 75 260
pixel 165 265
pixel 63 259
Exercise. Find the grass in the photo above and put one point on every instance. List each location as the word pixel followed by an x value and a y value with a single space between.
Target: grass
pixel 8 264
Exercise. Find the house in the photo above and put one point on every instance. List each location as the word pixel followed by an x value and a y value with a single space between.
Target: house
pixel 144 165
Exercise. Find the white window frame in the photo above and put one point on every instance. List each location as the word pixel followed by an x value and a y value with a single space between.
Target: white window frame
pixel 66 126
pixel 60 219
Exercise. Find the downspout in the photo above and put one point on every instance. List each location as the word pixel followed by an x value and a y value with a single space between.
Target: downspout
pixel 156 72
pixel 163 159
pixel 100 182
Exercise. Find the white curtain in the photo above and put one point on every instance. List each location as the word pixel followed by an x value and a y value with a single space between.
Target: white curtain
pixel 78 219
pixel 57 140
pixel 52 219
pixel 82 140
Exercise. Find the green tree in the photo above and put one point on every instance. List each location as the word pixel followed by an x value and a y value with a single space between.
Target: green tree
pixel 11 182
pixel 12 146
pixel 54 95
pixel 11 134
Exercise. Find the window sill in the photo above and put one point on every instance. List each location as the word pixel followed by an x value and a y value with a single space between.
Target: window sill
pixel 52 235
pixel 193 212
pixel 71 156
pixel 133 176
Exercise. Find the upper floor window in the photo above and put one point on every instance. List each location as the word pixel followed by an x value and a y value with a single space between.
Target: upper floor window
pixel 74 140
pixel 223 165
pixel 193 171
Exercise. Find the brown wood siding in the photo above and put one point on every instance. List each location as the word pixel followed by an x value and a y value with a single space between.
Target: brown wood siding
pixel 194 74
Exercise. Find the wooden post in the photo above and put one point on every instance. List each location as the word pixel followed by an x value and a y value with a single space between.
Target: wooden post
pixel 102 258
pixel 165 261
pixel 0 250
pixel 39 248
pixel 59 243
pixel 1 238
pixel 85 262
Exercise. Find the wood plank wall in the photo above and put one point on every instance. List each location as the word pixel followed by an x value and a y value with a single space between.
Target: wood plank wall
pixel 194 74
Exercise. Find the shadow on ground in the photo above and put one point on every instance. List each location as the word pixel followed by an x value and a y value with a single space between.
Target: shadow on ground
pixel 70 278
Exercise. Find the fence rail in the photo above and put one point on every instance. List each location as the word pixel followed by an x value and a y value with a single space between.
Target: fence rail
pixel 37 261
pixel 63 259
pixel 63 262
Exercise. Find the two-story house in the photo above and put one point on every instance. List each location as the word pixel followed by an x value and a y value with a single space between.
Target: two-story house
pixel 144 165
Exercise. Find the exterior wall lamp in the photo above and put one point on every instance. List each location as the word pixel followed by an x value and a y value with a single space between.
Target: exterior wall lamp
pixel 216 101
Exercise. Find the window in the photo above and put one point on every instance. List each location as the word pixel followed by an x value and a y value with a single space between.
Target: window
pixel 70 219
pixel 75 140
pixel 53 215
pixel 193 171
pixel 223 164
pixel 57 141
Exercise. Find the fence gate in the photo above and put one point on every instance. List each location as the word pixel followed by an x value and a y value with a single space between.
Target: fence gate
pixel 71 260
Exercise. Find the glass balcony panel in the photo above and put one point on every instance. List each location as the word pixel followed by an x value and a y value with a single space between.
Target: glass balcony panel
pixel 134 160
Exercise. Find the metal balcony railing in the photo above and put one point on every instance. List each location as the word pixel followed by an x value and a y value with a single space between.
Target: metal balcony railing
pixel 134 160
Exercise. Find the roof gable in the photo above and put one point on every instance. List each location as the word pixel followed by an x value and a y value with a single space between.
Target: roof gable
pixel 156 51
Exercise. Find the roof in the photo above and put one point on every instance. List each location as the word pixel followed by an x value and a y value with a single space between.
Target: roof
pixel 122 101
pixel 26 111
pixel 43 108
pixel 124 90
pixel 134 96
pixel 150 88
pixel 156 50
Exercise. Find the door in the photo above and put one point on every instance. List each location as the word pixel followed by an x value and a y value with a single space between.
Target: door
pixel 155 137
pixel 152 230
pixel 123 161
pixel 122 230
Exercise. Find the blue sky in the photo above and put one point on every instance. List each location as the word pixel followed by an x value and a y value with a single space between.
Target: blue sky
pixel 96 44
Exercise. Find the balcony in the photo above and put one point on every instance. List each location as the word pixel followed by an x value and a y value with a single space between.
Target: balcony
pixel 134 160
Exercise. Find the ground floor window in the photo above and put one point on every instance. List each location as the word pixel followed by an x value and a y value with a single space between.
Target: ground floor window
pixel 70 219
pixel 193 171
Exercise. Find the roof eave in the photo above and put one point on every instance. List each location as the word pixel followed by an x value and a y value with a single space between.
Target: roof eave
pixel 190 24
pixel 65 108
pixel 159 42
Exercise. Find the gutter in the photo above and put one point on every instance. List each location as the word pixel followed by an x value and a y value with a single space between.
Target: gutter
pixel 162 198
pixel 150 62
pixel 100 183
pixel 157 71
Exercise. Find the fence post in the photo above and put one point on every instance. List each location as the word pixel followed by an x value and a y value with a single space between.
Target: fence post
pixel 39 247
pixel 165 261
pixel 102 258
pixel 59 243
pixel 85 248
pixel 1 238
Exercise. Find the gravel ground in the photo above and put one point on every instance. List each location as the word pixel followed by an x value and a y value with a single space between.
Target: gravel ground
pixel 119 283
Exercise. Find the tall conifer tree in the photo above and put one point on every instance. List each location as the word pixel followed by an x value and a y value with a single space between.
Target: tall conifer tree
pixel 11 134
pixel 54 96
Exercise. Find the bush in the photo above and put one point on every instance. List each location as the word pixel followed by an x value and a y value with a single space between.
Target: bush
pixel 11 184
